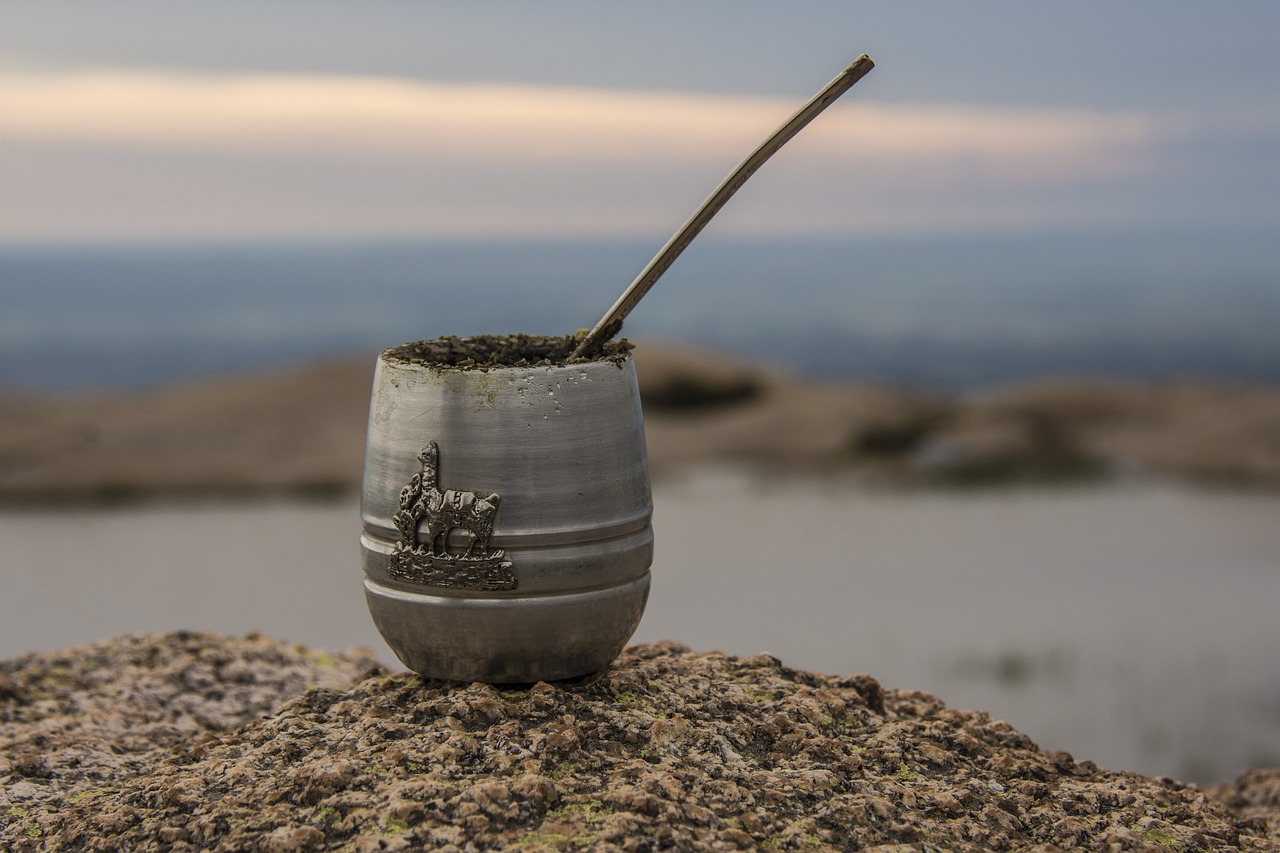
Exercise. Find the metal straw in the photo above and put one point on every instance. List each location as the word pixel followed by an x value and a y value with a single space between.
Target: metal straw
pixel 611 322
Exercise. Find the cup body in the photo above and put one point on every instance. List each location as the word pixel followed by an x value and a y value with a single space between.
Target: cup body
pixel 506 517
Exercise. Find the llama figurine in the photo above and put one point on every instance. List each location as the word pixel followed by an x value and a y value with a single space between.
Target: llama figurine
pixel 442 511
pixel 454 509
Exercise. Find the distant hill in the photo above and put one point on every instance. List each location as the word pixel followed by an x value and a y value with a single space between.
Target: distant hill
pixel 301 431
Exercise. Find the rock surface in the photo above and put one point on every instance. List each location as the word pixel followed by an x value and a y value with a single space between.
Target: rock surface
pixel 176 741
pixel 301 431
pixel 77 722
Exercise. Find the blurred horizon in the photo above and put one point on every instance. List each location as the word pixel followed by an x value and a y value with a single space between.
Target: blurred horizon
pixel 1088 306
pixel 1014 191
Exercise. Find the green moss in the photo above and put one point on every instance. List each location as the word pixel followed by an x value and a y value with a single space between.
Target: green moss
pixel 633 700
pixel 904 773
pixel 17 814
pixel 541 839
pixel 596 811
pixel 89 794
pixel 593 811
pixel 395 826
pixel 1158 836
pixel 323 660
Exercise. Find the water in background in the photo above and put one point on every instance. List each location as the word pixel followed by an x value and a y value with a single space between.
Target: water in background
pixel 1134 626
pixel 942 312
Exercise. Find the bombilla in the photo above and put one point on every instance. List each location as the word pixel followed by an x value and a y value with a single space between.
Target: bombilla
pixel 611 322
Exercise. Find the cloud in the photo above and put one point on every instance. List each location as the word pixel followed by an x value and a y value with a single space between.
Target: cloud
pixel 114 155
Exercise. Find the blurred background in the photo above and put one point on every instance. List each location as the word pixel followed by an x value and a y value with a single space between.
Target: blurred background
pixel 1003 320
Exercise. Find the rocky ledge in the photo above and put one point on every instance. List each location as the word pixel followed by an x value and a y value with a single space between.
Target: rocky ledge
pixel 301 432
pixel 196 741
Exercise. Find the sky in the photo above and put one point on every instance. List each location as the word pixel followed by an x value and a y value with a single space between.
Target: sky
pixel 151 122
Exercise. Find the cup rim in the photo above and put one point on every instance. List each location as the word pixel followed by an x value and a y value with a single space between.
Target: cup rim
pixel 484 353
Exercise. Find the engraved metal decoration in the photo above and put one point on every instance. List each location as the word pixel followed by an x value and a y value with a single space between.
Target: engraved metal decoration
pixel 447 514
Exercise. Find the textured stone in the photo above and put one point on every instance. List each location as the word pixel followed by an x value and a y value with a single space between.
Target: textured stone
pixel 666 749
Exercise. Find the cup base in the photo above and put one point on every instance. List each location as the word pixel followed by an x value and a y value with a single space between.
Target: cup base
pixel 508 640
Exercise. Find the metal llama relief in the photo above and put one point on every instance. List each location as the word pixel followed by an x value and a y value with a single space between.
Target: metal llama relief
pixel 464 516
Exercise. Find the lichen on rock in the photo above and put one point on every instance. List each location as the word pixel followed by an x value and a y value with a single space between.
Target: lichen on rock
pixel 667 749
pixel 77 724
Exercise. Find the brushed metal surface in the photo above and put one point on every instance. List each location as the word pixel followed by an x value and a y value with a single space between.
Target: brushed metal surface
pixel 508 640
pixel 563 448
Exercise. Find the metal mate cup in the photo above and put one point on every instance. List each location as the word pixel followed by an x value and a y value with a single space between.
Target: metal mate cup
pixel 506 499
pixel 506 509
